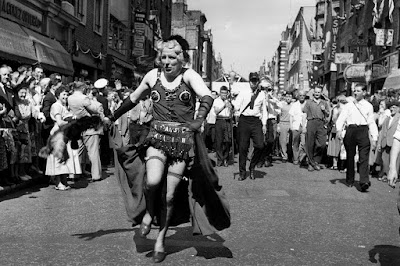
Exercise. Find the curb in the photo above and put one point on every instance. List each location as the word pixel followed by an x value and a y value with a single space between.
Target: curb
pixel 25 184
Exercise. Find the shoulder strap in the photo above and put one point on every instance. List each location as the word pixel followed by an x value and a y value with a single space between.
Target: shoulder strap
pixel 253 98
pixel 366 120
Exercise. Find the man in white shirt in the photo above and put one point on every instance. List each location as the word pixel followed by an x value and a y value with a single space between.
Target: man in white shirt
pixel 358 115
pixel 252 124
pixel 273 109
pixel 223 126
pixel 209 126
pixel 298 121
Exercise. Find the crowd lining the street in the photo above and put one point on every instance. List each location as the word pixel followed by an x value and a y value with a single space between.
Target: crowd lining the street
pixel 33 107
pixel 30 104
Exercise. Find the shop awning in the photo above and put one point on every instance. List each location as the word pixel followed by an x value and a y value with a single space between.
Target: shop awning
pixel 393 80
pixel 51 54
pixel 15 44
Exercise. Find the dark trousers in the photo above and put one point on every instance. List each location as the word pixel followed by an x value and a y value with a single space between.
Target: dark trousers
pixel 222 142
pixel 269 140
pixel 249 127
pixel 106 151
pixel 209 136
pixel 138 132
pixel 316 137
pixel 357 137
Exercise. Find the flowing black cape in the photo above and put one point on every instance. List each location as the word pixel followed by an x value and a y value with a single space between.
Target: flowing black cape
pixel 201 200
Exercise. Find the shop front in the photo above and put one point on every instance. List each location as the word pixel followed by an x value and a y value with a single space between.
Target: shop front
pixel 384 73
pixel 22 42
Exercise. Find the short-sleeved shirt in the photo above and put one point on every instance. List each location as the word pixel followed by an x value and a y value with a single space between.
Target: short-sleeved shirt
pixel 58 109
pixel 314 111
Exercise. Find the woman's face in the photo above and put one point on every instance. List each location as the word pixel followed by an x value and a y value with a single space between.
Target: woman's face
pixel 22 94
pixel 63 97
pixel 171 64
pixel 382 105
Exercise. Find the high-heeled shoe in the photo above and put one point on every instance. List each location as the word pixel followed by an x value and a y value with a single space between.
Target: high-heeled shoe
pixel 144 229
pixel 159 256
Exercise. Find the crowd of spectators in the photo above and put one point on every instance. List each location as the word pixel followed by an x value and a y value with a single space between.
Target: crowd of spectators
pixel 289 131
pixel 33 107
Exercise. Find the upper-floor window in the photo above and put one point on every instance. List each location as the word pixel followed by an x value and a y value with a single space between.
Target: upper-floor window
pixel 117 38
pixel 98 16
pixel 80 10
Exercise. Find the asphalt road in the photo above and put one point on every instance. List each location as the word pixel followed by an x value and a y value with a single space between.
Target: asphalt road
pixel 287 216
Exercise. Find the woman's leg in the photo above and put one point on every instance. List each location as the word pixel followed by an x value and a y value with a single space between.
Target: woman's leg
pixel 154 170
pixel 174 176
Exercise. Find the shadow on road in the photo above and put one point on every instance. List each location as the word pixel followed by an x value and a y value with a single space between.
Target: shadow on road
pixel 99 233
pixel 387 255
pixel 26 189
pixel 208 247
pixel 257 174
pixel 338 180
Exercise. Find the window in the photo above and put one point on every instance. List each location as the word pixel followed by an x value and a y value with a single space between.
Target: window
pixel 117 38
pixel 80 10
pixel 98 16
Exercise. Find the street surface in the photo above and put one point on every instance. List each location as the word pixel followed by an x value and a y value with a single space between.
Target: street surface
pixel 287 216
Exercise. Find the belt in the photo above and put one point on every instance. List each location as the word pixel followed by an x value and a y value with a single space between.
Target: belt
pixel 356 126
pixel 271 119
pixel 224 118
pixel 315 119
pixel 138 122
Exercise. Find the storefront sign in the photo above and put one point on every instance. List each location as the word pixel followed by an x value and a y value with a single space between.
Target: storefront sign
pixel 384 37
pixel 316 47
pixel 344 58
pixel 355 73
pixel 335 29
pixel 358 42
pixel 21 14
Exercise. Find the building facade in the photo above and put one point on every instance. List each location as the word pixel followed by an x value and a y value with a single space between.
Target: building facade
pixel 299 49
pixel 38 32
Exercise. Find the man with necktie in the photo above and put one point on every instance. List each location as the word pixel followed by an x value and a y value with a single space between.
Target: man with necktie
pixel 358 115
pixel 252 124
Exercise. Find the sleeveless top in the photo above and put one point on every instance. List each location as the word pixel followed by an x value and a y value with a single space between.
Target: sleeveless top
pixel 176 105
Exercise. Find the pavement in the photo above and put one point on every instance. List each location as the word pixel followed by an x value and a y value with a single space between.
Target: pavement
pixel 287 216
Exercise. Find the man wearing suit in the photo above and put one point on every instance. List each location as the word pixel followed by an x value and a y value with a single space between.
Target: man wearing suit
pixel 48 100
pixel 5 91
pixel 385 139
pixel 81 106
pixel 6 110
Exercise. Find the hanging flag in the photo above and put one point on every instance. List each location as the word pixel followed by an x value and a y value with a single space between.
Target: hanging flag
pixel 377 13
pixel 391 9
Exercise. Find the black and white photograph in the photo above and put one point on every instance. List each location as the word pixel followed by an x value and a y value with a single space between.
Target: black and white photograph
pixel 199 132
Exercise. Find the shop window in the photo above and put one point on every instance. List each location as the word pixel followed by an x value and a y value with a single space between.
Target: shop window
pixel 98 16
pixel 80 10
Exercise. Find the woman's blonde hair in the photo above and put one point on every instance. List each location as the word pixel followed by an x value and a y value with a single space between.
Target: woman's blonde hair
pixel 178 44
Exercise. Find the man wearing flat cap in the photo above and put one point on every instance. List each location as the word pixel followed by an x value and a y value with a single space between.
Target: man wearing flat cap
pixel 250 104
